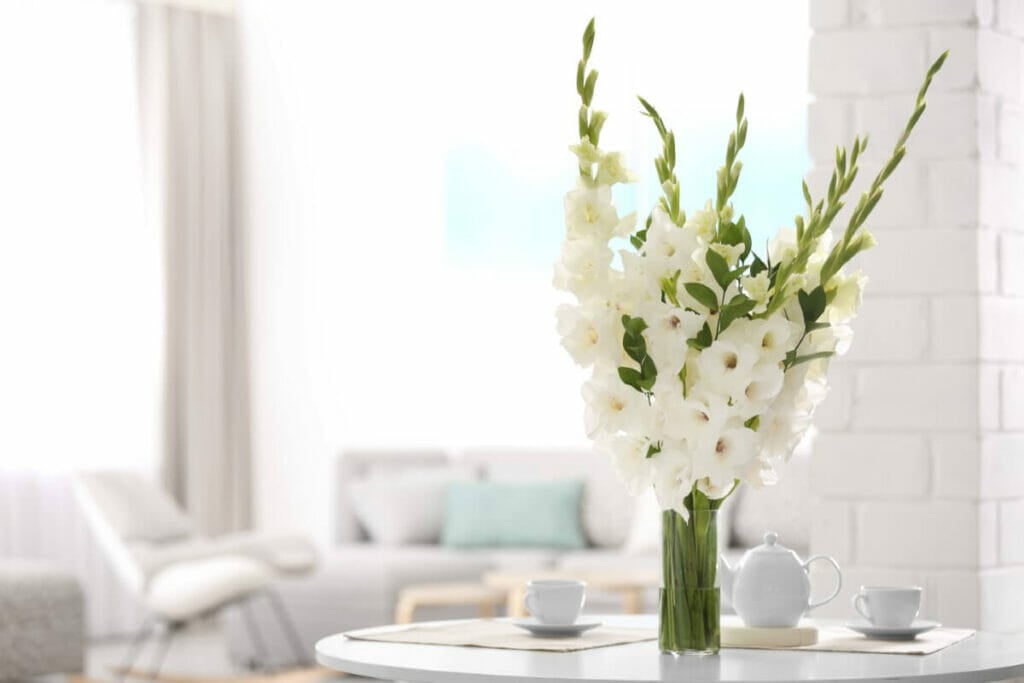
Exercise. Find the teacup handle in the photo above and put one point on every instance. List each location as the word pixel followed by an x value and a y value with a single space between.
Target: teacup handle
pixel 529 601
pixel 839 579
pixel 860 604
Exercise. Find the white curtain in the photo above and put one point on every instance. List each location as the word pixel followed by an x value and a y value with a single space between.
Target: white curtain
pixel 190 122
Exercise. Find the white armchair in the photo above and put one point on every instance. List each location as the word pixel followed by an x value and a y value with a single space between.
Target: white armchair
pixel 180 575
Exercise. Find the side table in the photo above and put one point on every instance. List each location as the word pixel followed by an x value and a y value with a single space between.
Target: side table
pixel 486 598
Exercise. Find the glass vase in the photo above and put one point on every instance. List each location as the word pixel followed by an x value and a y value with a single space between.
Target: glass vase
pixel 689 599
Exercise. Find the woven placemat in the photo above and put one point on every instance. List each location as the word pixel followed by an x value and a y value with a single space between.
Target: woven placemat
pixel 840 639
pixel 501 634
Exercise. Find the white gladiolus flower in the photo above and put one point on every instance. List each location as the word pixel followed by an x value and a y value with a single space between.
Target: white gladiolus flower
pixel 589 212
pixel 611 169
pixel 780 432
pixel 783 248
pixel 690 419
pixel 673 478
pixel 759 473
pixel 756 288
pixel 586 152
pixel 668 328
pixel 668 244
pixel 588 332
pixel 725 367
pixel 629 458
pixel 611 407
pixel 583 268
pixel 849 294
pixel 773 337
pixel 703 222
pixel 626 225
pixel 764 384
pixel 730 252
pixel 723 459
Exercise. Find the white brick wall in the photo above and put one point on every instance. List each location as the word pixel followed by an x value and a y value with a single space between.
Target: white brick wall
pixel 919 397
pixel 941 534
pixel 919 470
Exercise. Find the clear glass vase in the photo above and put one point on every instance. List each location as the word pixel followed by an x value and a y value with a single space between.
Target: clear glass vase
pixel 690 600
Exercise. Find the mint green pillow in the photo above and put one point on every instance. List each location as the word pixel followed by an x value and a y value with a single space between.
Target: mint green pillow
pixel 491 514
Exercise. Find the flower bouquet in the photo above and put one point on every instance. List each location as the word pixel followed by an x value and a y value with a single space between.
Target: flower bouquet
pixel 707 359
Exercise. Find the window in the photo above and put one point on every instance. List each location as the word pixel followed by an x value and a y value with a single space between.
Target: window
pixel 412 159
pixel 80 272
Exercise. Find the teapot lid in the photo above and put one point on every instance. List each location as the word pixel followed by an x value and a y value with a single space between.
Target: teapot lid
pixel 771 545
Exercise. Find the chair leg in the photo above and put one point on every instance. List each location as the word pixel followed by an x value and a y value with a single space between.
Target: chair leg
pixel 164 648
pixel 255 635
pixel 138 640
pixel 284 620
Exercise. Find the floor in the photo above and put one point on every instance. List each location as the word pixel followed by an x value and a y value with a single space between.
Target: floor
pixel 197 652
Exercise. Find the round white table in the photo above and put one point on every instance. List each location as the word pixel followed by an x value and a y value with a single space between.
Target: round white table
pixel 985 657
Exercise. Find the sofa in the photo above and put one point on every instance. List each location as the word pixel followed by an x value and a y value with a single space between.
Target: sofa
pixel 360 577
pixel 42 621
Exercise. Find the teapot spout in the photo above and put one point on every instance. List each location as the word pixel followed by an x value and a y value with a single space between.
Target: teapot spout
pixel 726 574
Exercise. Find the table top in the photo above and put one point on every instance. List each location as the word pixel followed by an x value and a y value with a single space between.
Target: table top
pixel 636 578
pixel 985 657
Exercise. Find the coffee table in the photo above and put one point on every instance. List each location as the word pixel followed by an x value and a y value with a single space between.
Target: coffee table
pixel 985 657
pixel 631 584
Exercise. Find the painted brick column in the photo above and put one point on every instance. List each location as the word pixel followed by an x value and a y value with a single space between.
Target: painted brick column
pixel 919 470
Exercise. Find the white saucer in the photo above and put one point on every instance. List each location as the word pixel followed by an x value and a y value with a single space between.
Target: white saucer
pixel 893 633
pixel 556 630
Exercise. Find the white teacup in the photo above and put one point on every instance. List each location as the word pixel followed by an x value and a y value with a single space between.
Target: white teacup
pixel 555 601
pixel 888 606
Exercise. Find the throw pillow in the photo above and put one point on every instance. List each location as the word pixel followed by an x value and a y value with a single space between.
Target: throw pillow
pixel 514 514
pixel 405 506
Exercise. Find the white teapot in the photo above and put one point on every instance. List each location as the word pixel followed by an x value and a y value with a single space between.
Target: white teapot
pixel 770 586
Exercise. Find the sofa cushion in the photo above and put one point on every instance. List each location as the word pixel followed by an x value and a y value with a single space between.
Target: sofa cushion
pixel 544 514
pixel 405 506
pixel 607 508
pixel 358 464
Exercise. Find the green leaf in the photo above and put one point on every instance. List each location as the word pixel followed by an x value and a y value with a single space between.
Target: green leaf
pixel 812 303
pixel 653 450
pixel 730 233
pixel 631 378
pixel 580 71
pixel 648 373
pixel 719 268
pixel 702 340
pixel 748 243
pixel 633 341
pixel 682 378
pixel 811 327
pixel 757 266
pixel 753 423
pixel 737 308
pixel 703 294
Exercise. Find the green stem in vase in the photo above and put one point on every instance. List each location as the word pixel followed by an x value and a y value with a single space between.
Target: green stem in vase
pixel 689 597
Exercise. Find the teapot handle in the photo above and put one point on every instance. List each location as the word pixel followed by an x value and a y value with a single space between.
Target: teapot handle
pixel 839 579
